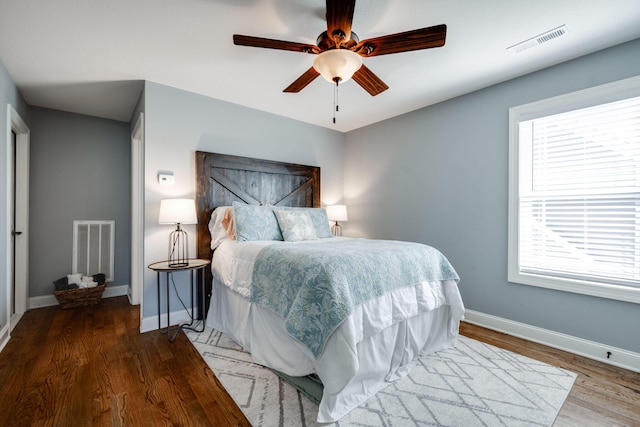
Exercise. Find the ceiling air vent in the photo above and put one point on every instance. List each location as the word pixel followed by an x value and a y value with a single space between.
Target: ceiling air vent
pixel 539 39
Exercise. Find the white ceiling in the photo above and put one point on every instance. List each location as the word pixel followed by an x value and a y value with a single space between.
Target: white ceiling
pixel 90 56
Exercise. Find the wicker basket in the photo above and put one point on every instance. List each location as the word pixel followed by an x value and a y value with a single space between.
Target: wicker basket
pixel 79 297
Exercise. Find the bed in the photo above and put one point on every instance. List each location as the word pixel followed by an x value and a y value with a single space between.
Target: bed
pixel 268 285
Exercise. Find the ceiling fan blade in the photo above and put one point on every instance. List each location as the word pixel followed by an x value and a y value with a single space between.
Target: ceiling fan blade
pixel 339 19
pixel 369 81
pixel 302 81
pixel 241 40
pixel 423 38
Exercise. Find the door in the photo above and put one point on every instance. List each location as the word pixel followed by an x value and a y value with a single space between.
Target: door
pixel 18 175
pixel 14 231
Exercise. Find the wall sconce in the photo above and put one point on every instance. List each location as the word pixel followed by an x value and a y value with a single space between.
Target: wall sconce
pixel 337 213
pixel 178 211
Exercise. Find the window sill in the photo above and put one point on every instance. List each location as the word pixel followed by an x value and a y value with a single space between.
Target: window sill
pixel 616 292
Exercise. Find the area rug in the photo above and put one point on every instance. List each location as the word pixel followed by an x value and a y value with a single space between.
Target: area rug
pixel 474 384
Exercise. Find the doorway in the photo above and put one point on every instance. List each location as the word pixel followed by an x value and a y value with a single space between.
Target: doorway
pixel 18 200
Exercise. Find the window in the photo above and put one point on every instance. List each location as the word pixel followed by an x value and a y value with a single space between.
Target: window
pixel 574 192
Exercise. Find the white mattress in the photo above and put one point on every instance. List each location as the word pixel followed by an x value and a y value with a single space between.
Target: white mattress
pixel 372 347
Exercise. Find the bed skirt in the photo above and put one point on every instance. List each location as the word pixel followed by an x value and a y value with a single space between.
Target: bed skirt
pixel 377 360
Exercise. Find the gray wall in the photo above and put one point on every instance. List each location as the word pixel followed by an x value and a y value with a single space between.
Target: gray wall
pixel 440 176
pixel 8 95
pixel 80 170
pixel 179 123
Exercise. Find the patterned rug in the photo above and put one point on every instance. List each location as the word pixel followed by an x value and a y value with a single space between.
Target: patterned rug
pixel 475 384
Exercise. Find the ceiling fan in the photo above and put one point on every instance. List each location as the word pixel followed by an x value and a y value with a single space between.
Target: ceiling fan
pixel 340 52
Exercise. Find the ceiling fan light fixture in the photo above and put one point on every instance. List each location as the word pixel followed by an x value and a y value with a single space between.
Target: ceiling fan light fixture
pixel 337 64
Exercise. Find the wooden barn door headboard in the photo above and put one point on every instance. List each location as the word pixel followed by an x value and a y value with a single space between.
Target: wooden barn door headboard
pixel 222 179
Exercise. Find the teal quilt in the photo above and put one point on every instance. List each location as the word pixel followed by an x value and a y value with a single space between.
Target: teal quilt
pixel 314 287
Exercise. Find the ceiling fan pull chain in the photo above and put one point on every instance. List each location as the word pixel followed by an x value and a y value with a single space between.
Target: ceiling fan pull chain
pixel 335 100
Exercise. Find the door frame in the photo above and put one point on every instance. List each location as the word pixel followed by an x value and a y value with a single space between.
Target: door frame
pixel 21 262
pixel 137 214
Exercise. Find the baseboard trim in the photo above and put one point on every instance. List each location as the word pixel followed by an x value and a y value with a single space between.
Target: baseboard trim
pixel 115 291
pixel 619 357
pixel 150 323
pixel 49 300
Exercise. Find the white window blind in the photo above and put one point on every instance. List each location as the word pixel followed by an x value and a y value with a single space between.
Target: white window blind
pixel 578 199
pixel 580 195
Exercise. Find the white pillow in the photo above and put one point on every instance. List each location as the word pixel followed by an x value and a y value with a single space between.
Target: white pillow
pixel 295 225
pixel 217 229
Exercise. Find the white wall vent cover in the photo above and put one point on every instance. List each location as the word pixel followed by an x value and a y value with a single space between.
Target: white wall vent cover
pixel 93 247
pixel 539 39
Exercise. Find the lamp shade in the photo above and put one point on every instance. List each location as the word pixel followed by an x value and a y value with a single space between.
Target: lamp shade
pixel 337 213
pixel 177 211
pixel 337 64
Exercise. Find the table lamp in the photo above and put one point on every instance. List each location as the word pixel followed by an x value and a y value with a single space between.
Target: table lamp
pixel 337 213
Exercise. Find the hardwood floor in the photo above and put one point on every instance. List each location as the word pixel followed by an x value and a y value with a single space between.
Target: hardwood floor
pixel 90 366
pixel 602 395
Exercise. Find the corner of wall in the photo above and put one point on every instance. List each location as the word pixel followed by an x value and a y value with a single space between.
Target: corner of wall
pixel 4 336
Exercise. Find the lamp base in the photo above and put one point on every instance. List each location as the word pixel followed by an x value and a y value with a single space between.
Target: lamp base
pixel 178 264
pixel 178 248
pixel 336 229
